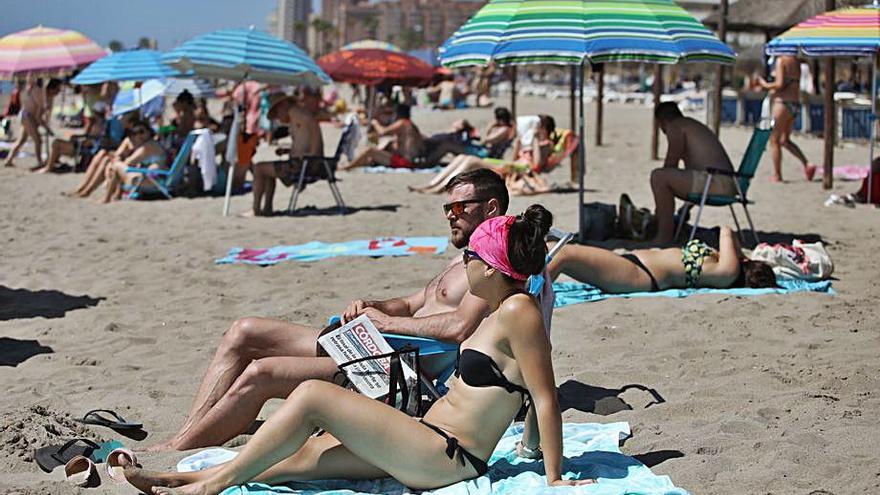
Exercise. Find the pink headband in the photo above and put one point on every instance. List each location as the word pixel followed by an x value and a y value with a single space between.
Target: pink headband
pixel 489 241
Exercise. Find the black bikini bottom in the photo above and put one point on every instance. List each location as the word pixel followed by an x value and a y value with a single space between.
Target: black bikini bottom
pixel 452 448
pixel 636 261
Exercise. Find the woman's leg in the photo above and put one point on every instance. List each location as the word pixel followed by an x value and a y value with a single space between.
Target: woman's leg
pixel 599 267
pixel 93 166
pixel 28 129
pixel 786 142
pixel 59 148
pixel 372 431
pixel 114 180
pixel 461 164
pixel 368 157
pixel 99 174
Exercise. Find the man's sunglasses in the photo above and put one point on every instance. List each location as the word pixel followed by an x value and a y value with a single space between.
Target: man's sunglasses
pixel 457 207
pixel 467 255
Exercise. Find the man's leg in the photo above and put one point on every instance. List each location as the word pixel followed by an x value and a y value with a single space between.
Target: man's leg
pixel 667 183
pixel 59 148
pixel 28 129
pixel 264 187
pixel 368 157
pixel 247 340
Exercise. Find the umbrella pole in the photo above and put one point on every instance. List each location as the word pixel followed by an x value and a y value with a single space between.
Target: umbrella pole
pixel 513 91
pixel 658 89
pixel 830 126
pixel 573 166
pixel 232 149
pixel 600 96
pixel 581 156
pixel 872 133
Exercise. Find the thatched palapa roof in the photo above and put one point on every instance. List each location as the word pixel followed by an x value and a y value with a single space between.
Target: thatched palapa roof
pixel 772 16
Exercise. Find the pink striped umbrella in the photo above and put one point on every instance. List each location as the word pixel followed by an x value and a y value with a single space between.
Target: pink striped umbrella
pixel 43 50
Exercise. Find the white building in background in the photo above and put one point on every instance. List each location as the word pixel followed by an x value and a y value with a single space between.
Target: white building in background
pixel 291 21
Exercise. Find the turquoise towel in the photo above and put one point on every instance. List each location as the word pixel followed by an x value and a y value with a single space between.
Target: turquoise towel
pixel 575 292
pixel 316 250
pixel 591 451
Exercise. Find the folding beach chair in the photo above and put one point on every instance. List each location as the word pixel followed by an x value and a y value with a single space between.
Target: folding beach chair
pixel 165 181
pixel 742 180
pixel 438 359
pixel 315 168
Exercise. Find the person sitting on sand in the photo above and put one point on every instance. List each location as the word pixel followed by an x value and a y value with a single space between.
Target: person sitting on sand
pixel 693 143
pixel 148 154
pixel 785 93
pixel 408 143
pixel 503 365
pixel 259 359
pixel 495 140
pixel 533 157
pixel 77 143
pixel 306 140
pixel 651 270
pixel 97 169
pixel 36 108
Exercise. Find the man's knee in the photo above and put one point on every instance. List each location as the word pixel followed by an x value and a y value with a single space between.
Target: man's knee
pixel 659 177
pixel 311 391
pixel 255 378
pixel 240 334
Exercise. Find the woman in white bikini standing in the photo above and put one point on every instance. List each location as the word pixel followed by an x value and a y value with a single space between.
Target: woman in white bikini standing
pixel 785 93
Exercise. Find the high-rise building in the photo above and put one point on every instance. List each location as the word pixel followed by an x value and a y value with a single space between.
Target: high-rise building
pixel 292 21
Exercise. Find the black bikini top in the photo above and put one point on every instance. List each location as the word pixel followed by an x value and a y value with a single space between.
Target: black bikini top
pixel 479 370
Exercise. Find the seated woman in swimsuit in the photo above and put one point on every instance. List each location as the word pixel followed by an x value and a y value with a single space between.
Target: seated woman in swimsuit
pixel 504 362
pixel 651 270
pixel 96 171
pixel 148 153
pixel 534 158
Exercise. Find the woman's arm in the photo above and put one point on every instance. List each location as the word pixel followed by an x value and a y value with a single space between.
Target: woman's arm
pixel 725 273
pixel 383 130
pixel 778 79
pixel 520 316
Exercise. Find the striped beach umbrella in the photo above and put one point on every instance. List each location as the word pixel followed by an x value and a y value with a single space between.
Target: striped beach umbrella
pixel 43 50
pixel 574 31
pixel 199 88
pixel 372 44
pixel 851 32
pixel 132 65
pixel 373 67
pixel 246 54
pixel 848 32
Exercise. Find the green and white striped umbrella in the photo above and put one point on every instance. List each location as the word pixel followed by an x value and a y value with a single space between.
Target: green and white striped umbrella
pixel 573 31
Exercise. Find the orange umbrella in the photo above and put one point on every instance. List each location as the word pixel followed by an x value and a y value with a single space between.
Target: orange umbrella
pixel 373 67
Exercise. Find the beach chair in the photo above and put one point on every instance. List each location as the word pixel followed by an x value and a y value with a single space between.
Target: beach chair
pixel 316 168
pixel 438 359
pixel 742 180
pixel 165 181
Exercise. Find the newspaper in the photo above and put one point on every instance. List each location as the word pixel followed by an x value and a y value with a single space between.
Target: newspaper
pixel 359 338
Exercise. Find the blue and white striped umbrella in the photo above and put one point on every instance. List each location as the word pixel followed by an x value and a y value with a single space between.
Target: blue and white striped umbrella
pixel 246 54
pixel 133 65
pixel 148 95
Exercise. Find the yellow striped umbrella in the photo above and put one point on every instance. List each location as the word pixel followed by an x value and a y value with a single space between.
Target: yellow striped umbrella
pixel 44 50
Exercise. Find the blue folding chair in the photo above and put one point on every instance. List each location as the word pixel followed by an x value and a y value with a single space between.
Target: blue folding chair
pixel 742 179
pixel 165 181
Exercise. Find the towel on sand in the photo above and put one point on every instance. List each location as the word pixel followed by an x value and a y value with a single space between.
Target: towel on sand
pixel 575 292
pixel 316 250
pixel 590 450
pixel 380 169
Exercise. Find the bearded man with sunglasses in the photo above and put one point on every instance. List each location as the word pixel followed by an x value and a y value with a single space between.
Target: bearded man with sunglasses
pixel 259 359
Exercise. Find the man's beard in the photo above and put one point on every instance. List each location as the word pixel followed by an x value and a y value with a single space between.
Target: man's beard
pixel 461 239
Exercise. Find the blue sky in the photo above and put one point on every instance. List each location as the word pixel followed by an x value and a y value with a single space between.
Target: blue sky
pixel 169 21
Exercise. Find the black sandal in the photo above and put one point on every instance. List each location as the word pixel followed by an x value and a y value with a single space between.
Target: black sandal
pixel 94 418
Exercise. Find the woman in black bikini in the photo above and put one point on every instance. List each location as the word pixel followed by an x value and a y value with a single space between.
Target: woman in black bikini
pixel 785 93
pixel 504 362
pixel 652 270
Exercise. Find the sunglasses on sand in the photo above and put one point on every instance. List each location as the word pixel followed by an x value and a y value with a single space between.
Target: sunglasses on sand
pixel 458 207
pixel 467 255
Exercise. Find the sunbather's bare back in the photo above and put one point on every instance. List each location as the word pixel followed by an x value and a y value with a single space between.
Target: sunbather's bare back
pixel 702 149
pixel 305 134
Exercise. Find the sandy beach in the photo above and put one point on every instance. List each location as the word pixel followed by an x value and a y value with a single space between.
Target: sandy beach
pixel 121 306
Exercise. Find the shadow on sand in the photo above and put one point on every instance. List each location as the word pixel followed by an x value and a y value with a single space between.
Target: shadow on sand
pixel 14 352
pixel 26 303
pixel 598 400
pixel 312 211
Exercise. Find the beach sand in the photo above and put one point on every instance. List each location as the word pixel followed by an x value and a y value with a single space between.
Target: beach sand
pixel 121 307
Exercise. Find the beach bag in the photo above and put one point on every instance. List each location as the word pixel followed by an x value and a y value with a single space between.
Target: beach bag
pixel 801 260
pixel 600 221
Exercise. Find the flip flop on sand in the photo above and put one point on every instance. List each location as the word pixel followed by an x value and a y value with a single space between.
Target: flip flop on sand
pixel 94 418
pixel 80 471
pixel 115 468
pixel 52 456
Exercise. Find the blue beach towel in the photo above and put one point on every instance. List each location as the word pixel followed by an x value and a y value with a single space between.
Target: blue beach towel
pixel 591 451
pixel 575 292
pixel 316 250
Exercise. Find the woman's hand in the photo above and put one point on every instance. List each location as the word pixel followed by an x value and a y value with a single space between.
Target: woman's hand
pixel 571 482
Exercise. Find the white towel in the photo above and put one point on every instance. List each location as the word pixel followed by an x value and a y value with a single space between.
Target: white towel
pixel 204 152
pixel 354 137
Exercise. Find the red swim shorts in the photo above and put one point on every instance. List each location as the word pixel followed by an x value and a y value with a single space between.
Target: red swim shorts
pixel 400 161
